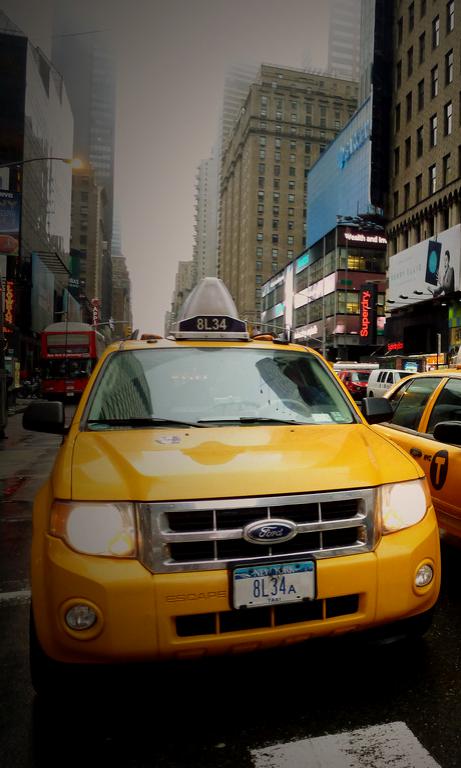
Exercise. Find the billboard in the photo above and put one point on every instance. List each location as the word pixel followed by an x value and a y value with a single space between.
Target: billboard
pixel 367 317
pixel 426 270
pixel 10 222
pixel 338 184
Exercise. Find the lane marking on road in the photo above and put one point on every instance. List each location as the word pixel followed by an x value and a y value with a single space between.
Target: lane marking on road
pixel 377 746
pixel 21 595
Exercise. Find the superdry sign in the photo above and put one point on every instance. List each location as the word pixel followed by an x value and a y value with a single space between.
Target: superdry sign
pixel 367 324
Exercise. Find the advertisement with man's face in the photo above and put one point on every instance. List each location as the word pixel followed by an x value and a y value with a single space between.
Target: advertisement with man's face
pixel 428 269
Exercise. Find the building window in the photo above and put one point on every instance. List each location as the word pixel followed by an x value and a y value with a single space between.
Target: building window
pixel 276 183
pixel 446 169
pixel 419 141
pixel 432 179
pixel 290 240
pixel 277 143
pixel 397 117
pixel 421 95
pixel 259 236
pixel 259 279
pixel 291 198
pixel 292 158
pixel 411 16
pixel 291 184
pixel 291 225
pixel 277 155
pixel 261 182
pixel 419 187
pixel 433 131
pixel 262 141
pixel 398 74
pixel 275 253
pixel 260 223
pixel 274 266
pixel 435 32
pixel 262 154
pixel 407 151
pixel 291 211
pixel 259 251
pixel 396 204
pixel 448 118
pixel 449 67
pixel 259 265
pixel 396 160
pixel 434 82
pixel 276 210
pixel 261 168
pixel 276 170
pixel 278 115
pixel 278 128
pixel 409 102
pixel 399 31
pixel 422 47
pixel 275 238
pixel 406 195
pixel 275 223
pixel 307 147
pixel 422 9
pixel 450 16
pixel 410 61
pixel 260 207
pixel 276 197
pixel 292 170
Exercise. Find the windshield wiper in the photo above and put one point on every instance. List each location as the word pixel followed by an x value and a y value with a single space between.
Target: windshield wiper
pixel 251 420
pixel 144 421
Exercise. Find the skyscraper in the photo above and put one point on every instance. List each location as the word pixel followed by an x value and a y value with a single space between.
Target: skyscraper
pixel 82 53
pixel 344 39
pixel 287 121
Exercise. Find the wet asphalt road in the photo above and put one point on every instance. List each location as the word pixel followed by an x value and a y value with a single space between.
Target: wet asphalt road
pixel 211 714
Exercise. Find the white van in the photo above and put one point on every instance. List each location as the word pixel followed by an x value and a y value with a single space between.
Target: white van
pixel 382 379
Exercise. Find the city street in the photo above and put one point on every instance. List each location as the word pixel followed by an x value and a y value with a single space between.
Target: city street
pixel 300 706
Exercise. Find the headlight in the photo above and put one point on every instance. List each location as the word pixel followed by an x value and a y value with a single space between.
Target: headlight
pixel 403 504
pixel 100 528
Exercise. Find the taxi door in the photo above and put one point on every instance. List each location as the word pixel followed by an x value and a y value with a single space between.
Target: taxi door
pixel 419 404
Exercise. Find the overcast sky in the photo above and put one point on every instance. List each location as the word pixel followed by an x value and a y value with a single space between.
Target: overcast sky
pixel 172 57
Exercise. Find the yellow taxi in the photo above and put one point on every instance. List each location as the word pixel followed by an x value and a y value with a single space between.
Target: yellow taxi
pixel 217 493
pixel 425 420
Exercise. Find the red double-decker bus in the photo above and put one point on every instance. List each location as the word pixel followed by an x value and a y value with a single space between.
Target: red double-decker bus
pixel 69 352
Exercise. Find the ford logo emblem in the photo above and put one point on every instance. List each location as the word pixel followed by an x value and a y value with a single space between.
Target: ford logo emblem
pixel 269 531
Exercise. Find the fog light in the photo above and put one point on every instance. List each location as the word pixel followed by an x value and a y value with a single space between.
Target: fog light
pixel 80 617
pixel 424 575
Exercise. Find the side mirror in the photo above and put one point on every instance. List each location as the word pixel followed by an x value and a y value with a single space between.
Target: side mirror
pixel 45 417
pixel 448 432
pixel 377 409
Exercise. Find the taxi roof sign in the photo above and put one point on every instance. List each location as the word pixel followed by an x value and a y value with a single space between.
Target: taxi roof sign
pixel 209 312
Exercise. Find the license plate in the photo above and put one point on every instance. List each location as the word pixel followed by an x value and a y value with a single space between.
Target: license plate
pixel 273 583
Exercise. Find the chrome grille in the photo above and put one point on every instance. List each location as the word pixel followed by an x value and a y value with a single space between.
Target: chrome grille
pixel 208 534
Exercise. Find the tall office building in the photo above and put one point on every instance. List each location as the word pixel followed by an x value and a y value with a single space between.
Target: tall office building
pixel 83 55
pixel 344 39
pixel 287 120
pixel 205 235
pixel 424 203
pixel 36 127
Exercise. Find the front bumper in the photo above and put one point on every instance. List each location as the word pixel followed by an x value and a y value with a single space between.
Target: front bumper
pixel 142 616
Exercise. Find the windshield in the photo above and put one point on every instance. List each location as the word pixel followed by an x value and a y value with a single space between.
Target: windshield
pixel 67 368
pixel 213 386
pixel 360 376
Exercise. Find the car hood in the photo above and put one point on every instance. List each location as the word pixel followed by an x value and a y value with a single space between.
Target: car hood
pixel 165 464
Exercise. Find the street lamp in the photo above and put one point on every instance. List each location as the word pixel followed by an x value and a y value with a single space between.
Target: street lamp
pixel 74 162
